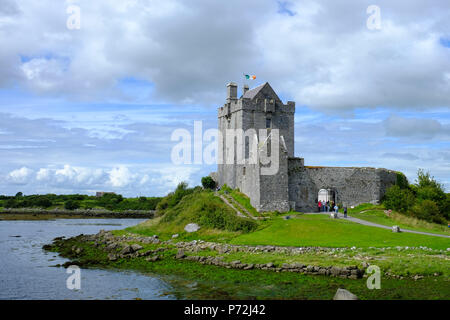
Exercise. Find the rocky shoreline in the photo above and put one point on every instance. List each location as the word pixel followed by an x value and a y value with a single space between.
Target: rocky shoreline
pixel 119 247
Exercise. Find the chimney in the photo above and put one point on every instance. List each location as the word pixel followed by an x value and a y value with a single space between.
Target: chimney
pixel 231 91
pixel 245 89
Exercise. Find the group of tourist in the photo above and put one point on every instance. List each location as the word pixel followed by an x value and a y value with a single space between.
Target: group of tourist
pixel 327 206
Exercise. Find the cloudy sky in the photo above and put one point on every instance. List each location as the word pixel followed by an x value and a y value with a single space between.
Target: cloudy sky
pixel 89 109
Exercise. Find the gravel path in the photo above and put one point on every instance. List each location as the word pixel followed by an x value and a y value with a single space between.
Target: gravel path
pixel 371 224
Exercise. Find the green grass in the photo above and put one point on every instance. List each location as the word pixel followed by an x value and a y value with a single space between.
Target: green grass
pixel 320 230
pixel 376 214
pixel 242 199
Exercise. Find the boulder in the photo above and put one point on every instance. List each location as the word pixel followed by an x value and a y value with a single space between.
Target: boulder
pixel 342 294
pixel 126 250
pixel 136 247
pixel 191 227
pixel 112 257
pixel 152 259
pixel 180 254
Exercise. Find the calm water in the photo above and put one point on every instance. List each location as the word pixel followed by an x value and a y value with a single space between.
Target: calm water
pixel 26 272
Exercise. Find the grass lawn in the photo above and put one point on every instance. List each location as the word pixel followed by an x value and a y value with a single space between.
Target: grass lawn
pixel 320 230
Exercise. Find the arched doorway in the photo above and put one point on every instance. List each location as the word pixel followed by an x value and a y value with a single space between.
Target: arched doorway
pixel 326 195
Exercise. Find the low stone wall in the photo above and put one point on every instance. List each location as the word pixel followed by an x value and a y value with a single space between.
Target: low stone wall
pixel 351 272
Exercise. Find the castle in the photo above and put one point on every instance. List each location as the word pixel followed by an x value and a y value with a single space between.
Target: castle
pixel 293 186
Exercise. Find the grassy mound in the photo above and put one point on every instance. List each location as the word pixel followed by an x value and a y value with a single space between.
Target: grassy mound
pixel 213 216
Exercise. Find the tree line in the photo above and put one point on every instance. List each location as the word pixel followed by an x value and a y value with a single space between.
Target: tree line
pixel 424 199
pixel 109 201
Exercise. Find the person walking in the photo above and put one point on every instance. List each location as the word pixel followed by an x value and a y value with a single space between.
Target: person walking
pixel 345 212
pixel 319 205
pixel 336 208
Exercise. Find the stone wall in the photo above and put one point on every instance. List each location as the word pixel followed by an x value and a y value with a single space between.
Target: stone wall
pixel 351 186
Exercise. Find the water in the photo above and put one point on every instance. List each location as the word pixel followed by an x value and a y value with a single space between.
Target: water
pixel 26 270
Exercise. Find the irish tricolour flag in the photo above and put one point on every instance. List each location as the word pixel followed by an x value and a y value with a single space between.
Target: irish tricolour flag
pixel 247 76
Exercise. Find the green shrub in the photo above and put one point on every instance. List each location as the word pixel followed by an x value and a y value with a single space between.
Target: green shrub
pixel 402 181
pixel 10 203
pixel 181 191
pixel 399 199
pixel 43 202
pixel 71 205
pixel 428 210
pixel 208 183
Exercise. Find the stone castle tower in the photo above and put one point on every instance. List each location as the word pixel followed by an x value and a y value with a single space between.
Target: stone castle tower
pixel 293 186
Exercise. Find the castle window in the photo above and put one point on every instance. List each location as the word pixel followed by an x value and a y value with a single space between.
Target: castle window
pixel 268 123
pixel 243 171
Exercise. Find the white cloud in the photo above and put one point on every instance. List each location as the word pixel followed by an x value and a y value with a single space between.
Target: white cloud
pixel 20 176
pixel 120 176
pixel 322 56
pixel 43 174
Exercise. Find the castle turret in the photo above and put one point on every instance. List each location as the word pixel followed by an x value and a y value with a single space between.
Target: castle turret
pixel 244 89
pixel 231 91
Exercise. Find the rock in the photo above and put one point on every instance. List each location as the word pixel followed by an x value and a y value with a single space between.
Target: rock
pixel 112 246
pixel 136 247
pixel 270 265
pixel 152 259
pixel 236 262
pixel 395 229
pixel 322 271
pixel 147 253
pixel 249 267
pixel 180 254
pixel 175 236
pixel 126 250
pixel 112 257
pixel 342 294
pixel 298 265
pixel 335 271
pixel 191 227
